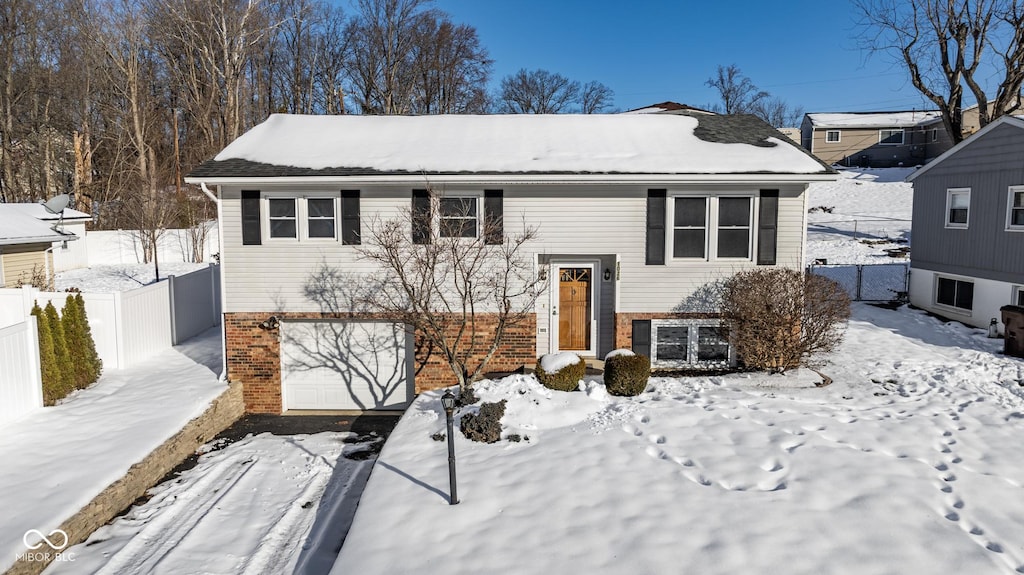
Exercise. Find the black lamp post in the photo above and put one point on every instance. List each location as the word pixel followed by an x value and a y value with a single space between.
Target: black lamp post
pixel 448 403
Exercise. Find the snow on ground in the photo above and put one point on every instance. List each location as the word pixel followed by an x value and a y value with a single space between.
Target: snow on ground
pixel 866 204
pixel 266 504
pixel 910 462
pixel 109 278
pixel 55 460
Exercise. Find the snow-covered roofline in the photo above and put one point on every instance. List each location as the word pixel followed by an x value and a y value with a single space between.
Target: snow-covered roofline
pixel 629 144
pixel 1015 121
pixel 901 119
pixel 18 228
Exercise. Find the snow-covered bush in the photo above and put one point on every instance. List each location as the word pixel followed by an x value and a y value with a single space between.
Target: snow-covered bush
pixel 485 425
pixel 561 371
pixel 616 352
pixel 627 375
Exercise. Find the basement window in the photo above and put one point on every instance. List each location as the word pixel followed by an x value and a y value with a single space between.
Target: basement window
pixel 690 344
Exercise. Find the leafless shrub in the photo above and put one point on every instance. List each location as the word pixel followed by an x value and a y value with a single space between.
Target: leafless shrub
pixel 780 317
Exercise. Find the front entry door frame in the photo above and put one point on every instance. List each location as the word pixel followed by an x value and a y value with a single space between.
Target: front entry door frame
pixel 555 305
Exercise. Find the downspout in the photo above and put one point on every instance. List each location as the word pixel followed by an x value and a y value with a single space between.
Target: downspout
pixel 220 243
pixel 47 256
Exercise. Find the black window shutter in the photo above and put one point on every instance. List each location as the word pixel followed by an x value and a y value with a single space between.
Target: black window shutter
pixel 656 203
pixel 642 337
pixel 350 231
pixel 494 216
pixel 767 228
pixel 251 218
pixel 420 217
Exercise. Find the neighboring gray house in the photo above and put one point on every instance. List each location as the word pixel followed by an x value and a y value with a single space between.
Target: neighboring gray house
pixel 968 227
pixel 875 139
pixel 636 212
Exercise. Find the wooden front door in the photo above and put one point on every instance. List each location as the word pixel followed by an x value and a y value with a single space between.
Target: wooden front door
pixel 574 297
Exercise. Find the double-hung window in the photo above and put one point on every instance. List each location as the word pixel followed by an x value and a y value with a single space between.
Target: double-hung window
pixel 283 215
pixel 832 136
pixel 307 217
pixel 958 207
pixel 1015 209
pixel 712 227
pixel 458 217
pixel 954 293
pixel 689 228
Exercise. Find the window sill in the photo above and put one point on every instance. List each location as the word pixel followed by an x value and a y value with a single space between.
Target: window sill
pixel 957 310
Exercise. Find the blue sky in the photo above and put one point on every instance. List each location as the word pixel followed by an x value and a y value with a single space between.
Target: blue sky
pixel 650 51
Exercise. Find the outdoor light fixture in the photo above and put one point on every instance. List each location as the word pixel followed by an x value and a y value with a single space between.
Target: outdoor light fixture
pixel 607 274
pixel 448 403
pixel 270 323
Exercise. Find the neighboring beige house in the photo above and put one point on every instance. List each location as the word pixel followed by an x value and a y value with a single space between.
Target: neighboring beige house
pixel 26 246
pixel 875 139
pixel 969 122
pixel 67 255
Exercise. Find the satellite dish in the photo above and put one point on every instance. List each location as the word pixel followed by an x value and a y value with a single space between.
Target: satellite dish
pixel 56 204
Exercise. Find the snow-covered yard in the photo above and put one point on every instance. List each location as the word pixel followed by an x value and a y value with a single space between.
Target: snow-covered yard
pixel 910 462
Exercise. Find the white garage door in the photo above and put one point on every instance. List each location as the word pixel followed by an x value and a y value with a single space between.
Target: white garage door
pixel 345 365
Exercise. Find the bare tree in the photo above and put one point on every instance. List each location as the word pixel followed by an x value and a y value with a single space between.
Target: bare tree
pixel 460 288
pixel 777 112
pixel 537 92
pixel 738 93
pixel 949 45
pixel 451 68
pixel 595 98
pixel 780 318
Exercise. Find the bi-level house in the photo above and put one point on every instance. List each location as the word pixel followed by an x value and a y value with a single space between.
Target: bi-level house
pixel 639 211
pixel 968 226
pixel 875 139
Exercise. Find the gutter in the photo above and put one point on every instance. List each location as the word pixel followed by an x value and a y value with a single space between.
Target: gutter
pixel 530 179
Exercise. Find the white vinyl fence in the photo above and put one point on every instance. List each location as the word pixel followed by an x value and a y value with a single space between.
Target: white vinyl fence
pixel 21 389
pixel 129 327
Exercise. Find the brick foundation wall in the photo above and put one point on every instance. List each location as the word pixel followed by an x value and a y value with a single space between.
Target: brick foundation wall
pixel 624 324
pixel 254 354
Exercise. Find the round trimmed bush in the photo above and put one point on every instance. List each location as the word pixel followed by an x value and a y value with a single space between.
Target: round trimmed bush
pixel 564 374
pixel 627 375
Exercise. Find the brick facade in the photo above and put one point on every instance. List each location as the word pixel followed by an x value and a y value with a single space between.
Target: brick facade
pixel 254 354
pixel 624 324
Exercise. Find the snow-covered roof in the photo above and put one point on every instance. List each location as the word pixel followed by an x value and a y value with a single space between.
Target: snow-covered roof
pixel 40 213
pixel 19 228
pixel 875 119
pixel 298 145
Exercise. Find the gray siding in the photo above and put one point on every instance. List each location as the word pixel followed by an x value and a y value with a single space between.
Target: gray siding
pixel 988 166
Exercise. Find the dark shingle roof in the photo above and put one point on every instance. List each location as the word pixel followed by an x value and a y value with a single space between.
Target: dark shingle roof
pixel 725 129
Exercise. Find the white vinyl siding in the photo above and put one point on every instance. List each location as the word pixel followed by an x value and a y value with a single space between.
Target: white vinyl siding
pixel 571 220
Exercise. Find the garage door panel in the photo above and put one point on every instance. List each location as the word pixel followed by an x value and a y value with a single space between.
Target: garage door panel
pixel 345 365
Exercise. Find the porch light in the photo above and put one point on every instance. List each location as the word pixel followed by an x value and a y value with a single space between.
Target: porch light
pixel 607 274
pixel 448 403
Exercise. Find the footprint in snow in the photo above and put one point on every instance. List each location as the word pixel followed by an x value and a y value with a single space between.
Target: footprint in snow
pixel 659 439
pixel 655 452
pixel 631 429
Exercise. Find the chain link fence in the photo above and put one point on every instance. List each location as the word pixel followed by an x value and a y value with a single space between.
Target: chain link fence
pixel 868 282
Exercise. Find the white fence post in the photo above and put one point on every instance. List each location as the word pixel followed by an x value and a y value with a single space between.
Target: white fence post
pixel 21 385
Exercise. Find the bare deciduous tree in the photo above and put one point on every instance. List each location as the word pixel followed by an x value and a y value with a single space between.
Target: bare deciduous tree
pixel 949 45
pixel 458 288
pixel 777 112
pixel 595 98
pixel 538 92
pixel 779 318
pixel 738 93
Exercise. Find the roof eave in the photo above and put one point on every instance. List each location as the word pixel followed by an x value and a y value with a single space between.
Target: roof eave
pixel 35 240
pixel 527 179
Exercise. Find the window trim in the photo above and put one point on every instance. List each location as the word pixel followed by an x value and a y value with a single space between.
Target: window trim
pixel 838 133
pixel 692 344
pixel 952 307
pixel 950 192
pixel 301 215
pixel 711 226
pixel 1010 226
pixel 1017 295
pixel 934 137
pixel 892 131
